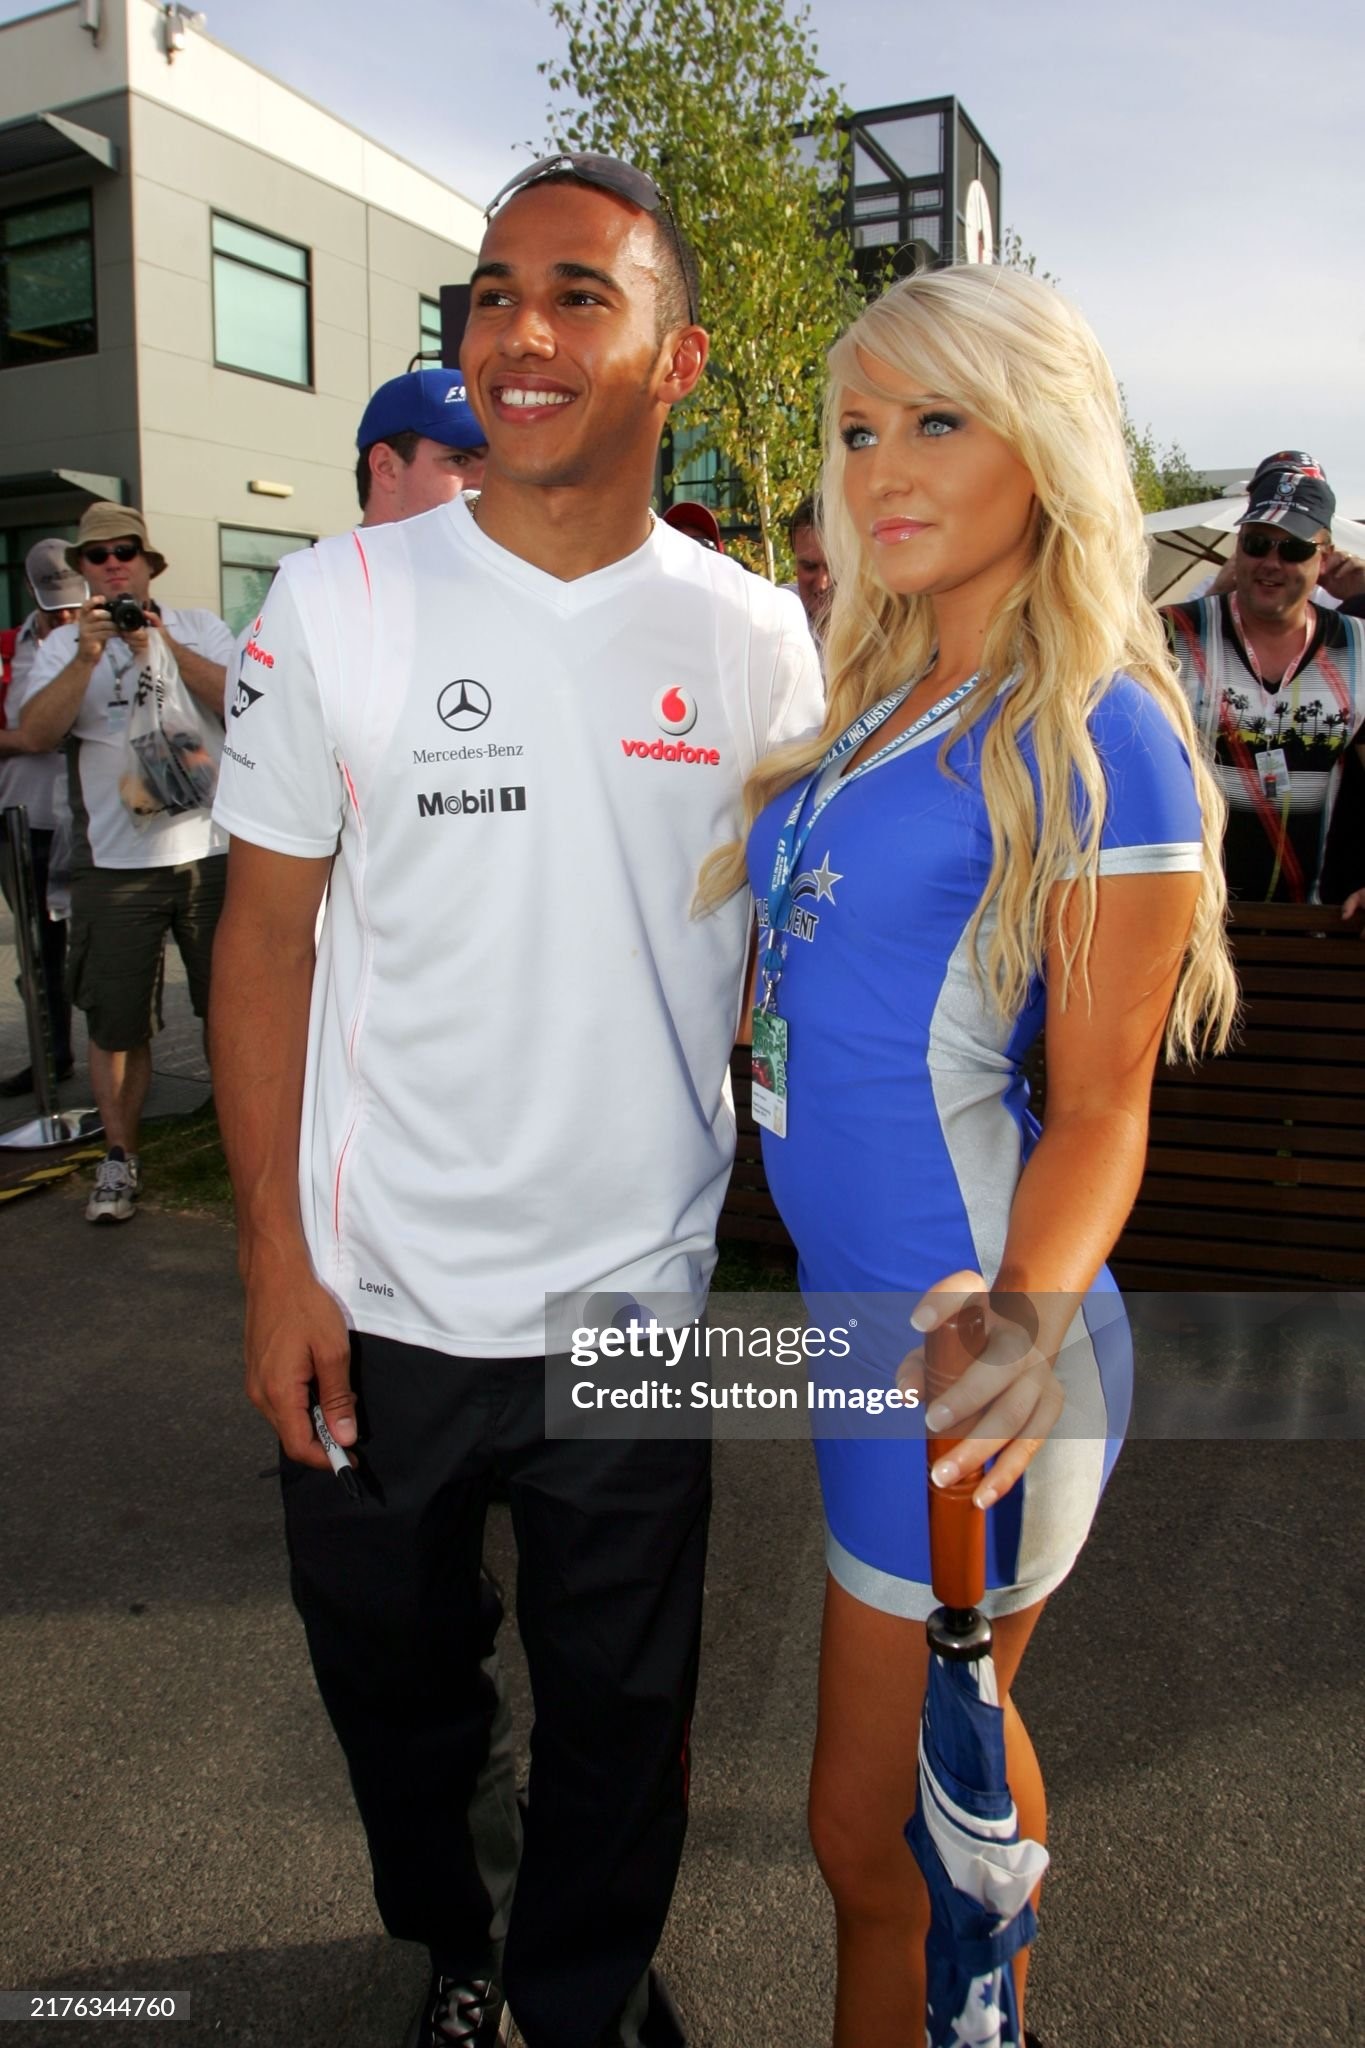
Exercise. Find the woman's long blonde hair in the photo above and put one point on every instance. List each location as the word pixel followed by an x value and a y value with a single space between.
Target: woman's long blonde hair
pixel 1016 355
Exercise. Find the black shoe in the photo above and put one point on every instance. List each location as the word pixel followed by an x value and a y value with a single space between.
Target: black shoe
pixel 1032 2040
pixel 22 1082
pixel 663 2027
pixel 459 2013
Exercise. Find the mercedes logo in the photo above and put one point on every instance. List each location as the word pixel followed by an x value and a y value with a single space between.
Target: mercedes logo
pixel 464 705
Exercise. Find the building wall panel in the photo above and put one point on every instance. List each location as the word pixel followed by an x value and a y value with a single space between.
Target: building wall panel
pixel 173 314
pixel 210 132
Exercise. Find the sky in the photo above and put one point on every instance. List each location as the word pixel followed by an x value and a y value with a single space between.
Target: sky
pixel 1193 174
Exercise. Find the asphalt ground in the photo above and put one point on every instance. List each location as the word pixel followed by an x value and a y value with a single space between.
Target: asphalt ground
pixel 175 1814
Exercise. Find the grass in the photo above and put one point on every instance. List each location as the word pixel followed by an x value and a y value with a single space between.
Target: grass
pixel 183 1165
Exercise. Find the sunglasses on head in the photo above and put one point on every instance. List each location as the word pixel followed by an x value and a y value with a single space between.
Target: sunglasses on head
pixel 609 174
pixel 122 551
pixel 1287 546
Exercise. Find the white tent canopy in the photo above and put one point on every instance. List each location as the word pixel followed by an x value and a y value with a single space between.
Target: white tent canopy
pixel 1190 543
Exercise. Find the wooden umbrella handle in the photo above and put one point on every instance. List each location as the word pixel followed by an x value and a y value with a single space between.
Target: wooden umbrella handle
pixel 957 1528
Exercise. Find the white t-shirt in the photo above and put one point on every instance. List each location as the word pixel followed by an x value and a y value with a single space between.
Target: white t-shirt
pixel 28 779
pixel 518 1050
pixel 101 729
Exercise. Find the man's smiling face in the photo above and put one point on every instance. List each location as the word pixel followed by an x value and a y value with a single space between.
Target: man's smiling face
pixel 1270 590
pixel 563 345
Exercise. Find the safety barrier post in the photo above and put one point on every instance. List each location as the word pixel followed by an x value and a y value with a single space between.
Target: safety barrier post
pixel 51 1126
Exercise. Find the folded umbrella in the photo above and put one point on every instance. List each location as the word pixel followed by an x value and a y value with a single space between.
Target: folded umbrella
pixel 965 1831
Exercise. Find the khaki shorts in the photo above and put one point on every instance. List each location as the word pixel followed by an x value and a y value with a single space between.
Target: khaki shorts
pixel 120 918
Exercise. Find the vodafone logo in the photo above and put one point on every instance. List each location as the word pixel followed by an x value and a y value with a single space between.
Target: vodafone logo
pixel 675 709
pixel 674 750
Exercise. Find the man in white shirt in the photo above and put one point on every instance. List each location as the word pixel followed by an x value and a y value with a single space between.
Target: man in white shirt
pixel 519 727
pixel 420 445
pixel 133 880
pixel 31 780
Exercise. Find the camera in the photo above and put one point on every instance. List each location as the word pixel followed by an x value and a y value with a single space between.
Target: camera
pixel 126 614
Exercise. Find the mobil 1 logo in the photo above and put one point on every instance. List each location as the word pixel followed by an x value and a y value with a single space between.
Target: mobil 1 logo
pixel 472 803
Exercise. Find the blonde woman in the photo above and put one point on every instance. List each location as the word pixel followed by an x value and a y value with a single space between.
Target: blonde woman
pixel 1005 822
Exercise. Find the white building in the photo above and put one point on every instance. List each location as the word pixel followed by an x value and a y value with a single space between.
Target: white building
pixel 202 278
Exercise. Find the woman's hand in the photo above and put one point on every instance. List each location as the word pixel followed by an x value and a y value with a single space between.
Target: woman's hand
pixel 1007 1399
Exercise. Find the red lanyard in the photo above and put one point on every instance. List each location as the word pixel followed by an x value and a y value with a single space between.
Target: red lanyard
pixel 1250 651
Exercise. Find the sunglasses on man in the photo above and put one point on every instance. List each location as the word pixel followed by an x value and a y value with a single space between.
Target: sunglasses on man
pixel 122 551
pixel 609 174
pixel 1287 546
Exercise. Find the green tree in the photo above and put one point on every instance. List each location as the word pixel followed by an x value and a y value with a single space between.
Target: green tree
pixel 707 94
pixel 1162 477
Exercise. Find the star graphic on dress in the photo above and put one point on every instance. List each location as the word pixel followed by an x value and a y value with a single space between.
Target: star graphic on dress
pixel 824 879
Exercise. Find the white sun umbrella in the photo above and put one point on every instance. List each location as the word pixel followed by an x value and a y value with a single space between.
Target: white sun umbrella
pixel 1189 544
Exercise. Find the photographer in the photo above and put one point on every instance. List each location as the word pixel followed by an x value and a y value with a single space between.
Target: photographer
pixel 132 881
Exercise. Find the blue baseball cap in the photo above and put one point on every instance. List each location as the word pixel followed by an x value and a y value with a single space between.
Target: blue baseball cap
pixel 428 402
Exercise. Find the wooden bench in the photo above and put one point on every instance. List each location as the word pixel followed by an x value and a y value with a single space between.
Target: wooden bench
pixel 1256 1166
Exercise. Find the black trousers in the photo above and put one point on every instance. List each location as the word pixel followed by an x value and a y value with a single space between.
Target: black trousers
pixel 53 941
pixel 611 1543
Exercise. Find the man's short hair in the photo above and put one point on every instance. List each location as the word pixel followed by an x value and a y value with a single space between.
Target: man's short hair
pixel 679 279
pixel 404 446
pixel 804 515
pixel 680 284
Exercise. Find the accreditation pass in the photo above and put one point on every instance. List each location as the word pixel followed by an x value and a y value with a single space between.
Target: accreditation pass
pixel 769 1058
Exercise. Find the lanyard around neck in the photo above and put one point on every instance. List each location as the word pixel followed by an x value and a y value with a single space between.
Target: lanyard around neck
pixel 793 838
pixel 1253 664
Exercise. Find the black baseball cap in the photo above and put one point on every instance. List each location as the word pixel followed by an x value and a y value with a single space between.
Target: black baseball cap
pixel 1290 490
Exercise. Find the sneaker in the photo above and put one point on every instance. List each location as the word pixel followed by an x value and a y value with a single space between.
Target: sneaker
pixel 134 1164
pixel 114 1192
pixel 460 2013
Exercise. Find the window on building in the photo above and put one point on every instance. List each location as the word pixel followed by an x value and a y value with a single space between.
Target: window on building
pixel 247 562
pixel 261 304
pixel 429 342
pixel 47 281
